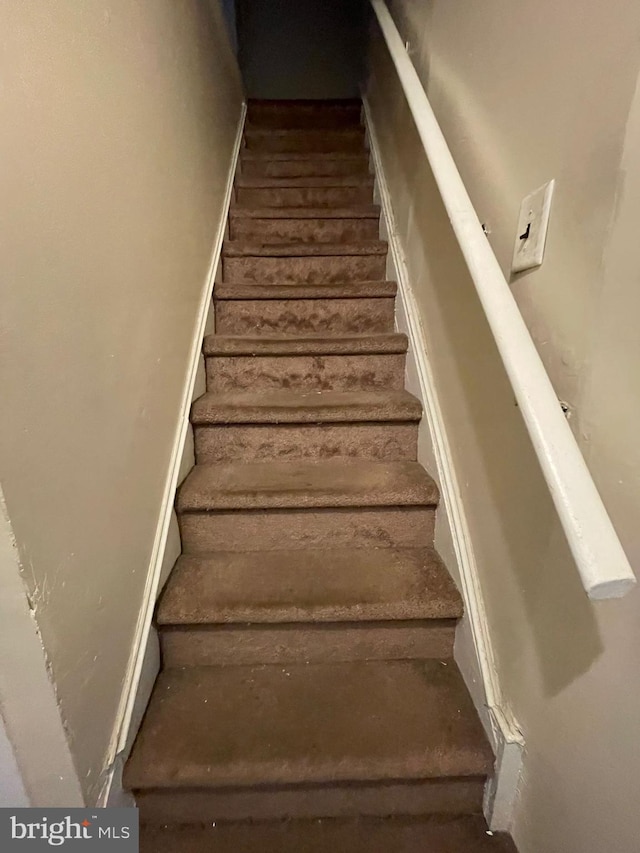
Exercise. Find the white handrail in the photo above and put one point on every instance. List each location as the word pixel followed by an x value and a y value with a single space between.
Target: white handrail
pixel 600 558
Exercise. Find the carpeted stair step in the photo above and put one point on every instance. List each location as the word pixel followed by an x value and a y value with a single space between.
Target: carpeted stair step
pixel 333 290
pixel 306 504
pixel 355 363
pixel 316 740
pixel 304 484
pixel 301 224
pixel 301 606
pixel 301 263
pixel 328 192
pixel 295 165
pixel 346 309
pixel 432 834
pixel 301 114
pixel 292 316
pixel 350 140
pixel 259 426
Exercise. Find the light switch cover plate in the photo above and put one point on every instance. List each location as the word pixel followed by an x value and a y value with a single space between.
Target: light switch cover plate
pixel 533 223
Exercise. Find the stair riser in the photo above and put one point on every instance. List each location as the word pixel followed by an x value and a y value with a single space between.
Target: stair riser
pixel 457 796
pixel 314 270
pixel 304 316
pixel 273 530
pixel 288 644
pixel 303 230
pixel 302 117
pixel 356 165
pixel 320 141
pixel 402 834
pixel 304 196
pixel 327 121
pixel 308 373
pixel 252 443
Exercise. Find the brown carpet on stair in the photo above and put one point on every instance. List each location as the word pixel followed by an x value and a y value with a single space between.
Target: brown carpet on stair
pixel 308 701
pixel 393 835
pixel 328 585
pixel 310 317
pixel 305 140
pixel 339 290
pixel 296 165
pixel 279 407
pixel 371 721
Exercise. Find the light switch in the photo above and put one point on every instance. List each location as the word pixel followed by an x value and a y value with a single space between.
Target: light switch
pixel 533 223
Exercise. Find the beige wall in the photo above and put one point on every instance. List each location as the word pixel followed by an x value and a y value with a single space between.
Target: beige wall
pixel 119 119
pixel 568 668
pixel 12 791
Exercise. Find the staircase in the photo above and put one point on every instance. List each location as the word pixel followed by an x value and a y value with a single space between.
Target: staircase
pixel 308 699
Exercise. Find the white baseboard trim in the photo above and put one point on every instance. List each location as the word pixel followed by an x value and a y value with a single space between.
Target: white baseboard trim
pixel 473 651
pixel 145 658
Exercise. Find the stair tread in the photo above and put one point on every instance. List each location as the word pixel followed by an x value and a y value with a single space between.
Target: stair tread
pixel 342 290
pixel 244 249
pixel 301 407
pixel 309 138
pixel 307 345
pixel 305 182
pixel 306 484
pixel 323 585
pixel 309 132
pixel 310 103
pixel 316 723
pixel 431 834
pixel 362 211
pixel 296 113
pixel 268 156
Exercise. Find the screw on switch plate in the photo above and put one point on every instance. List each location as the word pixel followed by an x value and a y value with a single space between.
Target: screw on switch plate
pixel 533 223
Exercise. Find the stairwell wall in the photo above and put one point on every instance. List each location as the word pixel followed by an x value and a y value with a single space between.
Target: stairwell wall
pixel 119 122
pixel 526 93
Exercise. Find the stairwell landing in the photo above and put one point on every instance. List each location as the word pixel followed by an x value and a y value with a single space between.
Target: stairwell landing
pixel 308 698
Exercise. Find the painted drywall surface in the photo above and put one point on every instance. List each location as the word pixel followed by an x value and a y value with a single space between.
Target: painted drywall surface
pixel 301 48
pixel 119 122
pixel 12 792
pixel 524 95
pixel 568 667
pixel 592 731
pixel 36 762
